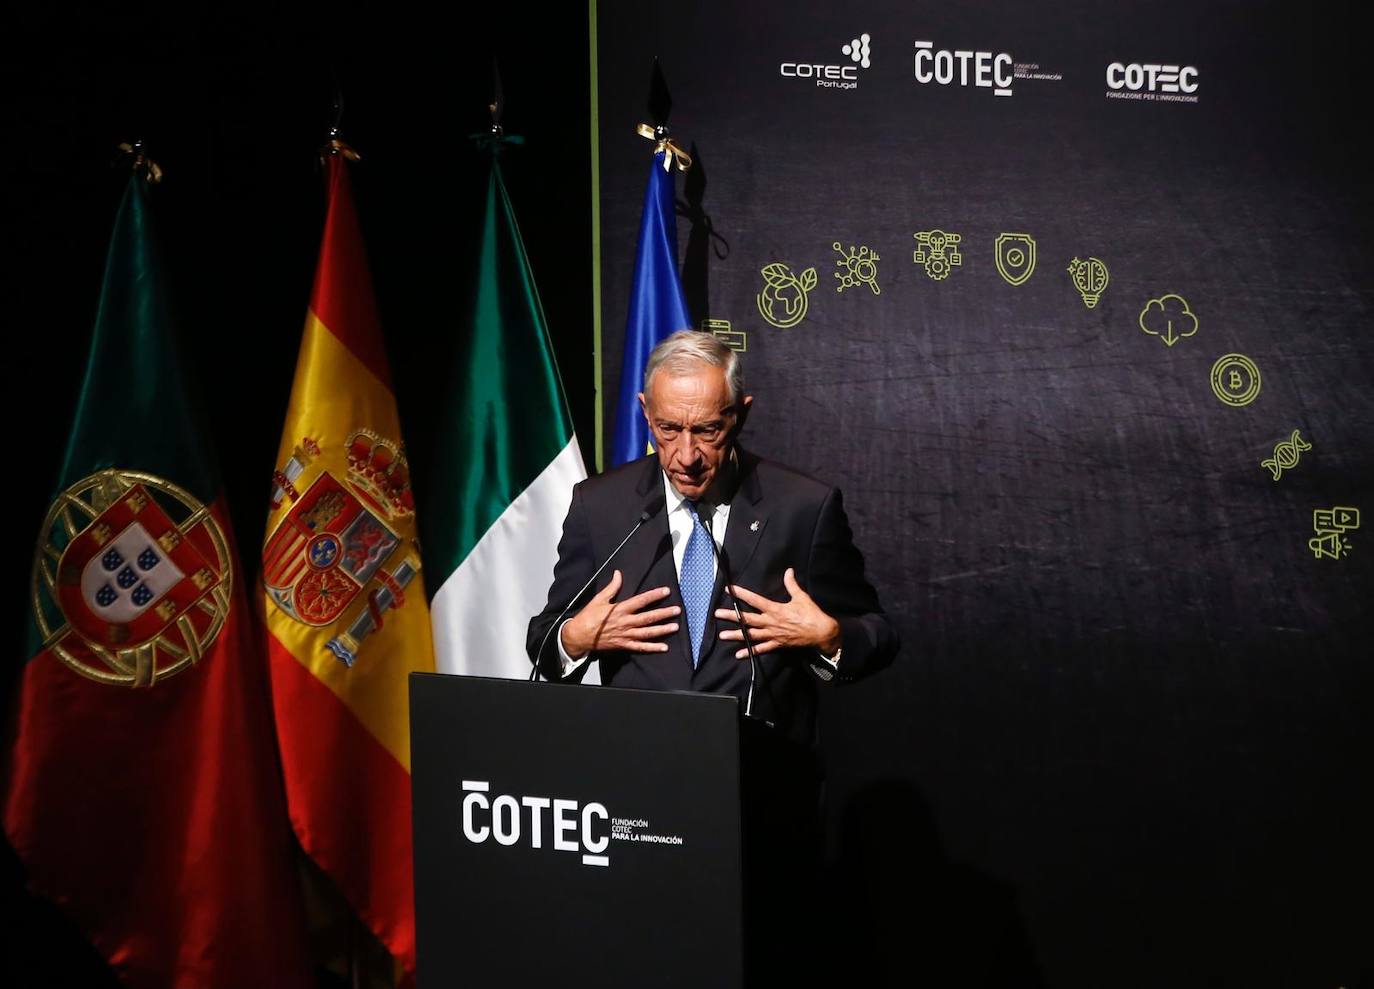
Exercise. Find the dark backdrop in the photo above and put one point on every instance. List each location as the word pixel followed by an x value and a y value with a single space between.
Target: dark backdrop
pixel 1127 740
pixel 1126 743
pixel 233 104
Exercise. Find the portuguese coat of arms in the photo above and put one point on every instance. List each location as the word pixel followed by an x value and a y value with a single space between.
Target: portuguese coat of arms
pixel 131 581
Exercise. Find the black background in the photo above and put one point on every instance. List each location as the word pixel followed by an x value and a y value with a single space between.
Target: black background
pixel 1127 741
pixel 233 103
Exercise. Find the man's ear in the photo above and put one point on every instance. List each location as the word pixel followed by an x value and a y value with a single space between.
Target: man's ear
pixel 743 413
pixel 643 406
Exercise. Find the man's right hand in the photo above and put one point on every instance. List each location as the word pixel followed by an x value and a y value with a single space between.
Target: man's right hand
pixel 604 625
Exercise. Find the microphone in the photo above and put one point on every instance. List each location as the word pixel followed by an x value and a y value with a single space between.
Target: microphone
pixel 651 508
pixel 705 517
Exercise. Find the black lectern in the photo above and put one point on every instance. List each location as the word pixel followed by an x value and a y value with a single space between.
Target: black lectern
pixel 570 836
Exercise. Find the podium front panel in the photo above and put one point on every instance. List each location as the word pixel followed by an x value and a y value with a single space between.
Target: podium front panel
pixel 585 835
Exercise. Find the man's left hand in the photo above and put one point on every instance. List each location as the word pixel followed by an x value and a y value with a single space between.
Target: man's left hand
pixel 795 623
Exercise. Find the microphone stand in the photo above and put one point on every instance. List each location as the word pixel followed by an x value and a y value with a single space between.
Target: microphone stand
pixel 705 519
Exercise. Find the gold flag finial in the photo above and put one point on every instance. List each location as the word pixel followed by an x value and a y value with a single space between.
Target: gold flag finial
pixel 673 153
pixel 138 159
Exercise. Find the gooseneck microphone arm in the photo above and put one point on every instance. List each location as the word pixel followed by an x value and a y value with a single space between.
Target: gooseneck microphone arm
pixel 704 515
pixel 651 508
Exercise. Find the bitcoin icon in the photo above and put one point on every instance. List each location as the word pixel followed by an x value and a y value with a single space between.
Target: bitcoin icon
pixel 1235 379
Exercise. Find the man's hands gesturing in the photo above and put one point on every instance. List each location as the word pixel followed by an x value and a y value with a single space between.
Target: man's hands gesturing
pixel 603 624
pixel 798 621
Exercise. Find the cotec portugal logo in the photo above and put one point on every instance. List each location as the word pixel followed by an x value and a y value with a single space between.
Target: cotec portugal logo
pixel 834 76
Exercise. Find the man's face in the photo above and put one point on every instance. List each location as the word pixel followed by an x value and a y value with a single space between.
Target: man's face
pixel 693 424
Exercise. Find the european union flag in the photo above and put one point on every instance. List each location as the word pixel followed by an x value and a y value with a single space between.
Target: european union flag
pixel 657 309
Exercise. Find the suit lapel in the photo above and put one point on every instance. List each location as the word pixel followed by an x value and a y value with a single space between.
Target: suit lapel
pixel 748 518
pixel 746 525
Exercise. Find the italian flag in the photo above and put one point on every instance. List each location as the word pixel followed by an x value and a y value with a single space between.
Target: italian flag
pixel 508 464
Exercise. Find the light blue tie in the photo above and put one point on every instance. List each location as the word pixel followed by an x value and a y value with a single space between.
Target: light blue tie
pixel 697 581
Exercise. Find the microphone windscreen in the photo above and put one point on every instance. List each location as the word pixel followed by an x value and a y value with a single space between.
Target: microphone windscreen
pixel 652 506
pixel 704 512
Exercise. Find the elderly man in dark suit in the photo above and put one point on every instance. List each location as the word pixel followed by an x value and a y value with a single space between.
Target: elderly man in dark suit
pixel 664 618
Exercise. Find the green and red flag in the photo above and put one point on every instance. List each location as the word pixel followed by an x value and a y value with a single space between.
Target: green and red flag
pixel 345 601
pixel 141 787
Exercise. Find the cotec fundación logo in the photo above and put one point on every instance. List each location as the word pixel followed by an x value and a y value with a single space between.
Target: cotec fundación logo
pixel 949 67
pixel 511 820
pixel 586 828
pixel 838 76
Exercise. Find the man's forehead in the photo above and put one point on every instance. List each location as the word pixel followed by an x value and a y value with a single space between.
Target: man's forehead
pixel 705 386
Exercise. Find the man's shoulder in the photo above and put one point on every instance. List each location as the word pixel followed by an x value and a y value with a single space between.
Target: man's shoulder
pixel 775 478
pixel 622 481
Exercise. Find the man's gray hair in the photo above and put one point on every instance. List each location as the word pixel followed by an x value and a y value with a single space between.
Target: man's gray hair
pixel 686 350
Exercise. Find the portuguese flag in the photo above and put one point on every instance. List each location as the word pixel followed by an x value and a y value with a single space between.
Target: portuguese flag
pixel 508 460
pixel 345 600
pixel 141 789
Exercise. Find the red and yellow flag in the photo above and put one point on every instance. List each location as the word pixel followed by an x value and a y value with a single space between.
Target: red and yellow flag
pixel 345 601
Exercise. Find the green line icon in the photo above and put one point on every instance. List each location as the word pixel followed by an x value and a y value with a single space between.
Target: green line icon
pixel 736 340
pixel 1235 379
pixel 1286 454
pixel 1014 255
pixel 860 268
pixel 783 299
pixel 1168 318
pixel 1331 525
pixel 938 253
pixel 1090 278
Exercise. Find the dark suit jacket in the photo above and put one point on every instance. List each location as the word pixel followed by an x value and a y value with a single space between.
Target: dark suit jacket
pixel 779 518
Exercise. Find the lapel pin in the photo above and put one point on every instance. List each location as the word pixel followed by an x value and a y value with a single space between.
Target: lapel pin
pixel 754 526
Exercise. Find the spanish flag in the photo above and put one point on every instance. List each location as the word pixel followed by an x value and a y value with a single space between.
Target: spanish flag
pixel 345 600
pixel 140 785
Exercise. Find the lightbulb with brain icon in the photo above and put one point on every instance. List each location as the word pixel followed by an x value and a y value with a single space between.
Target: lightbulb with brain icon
pixel 1090 278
